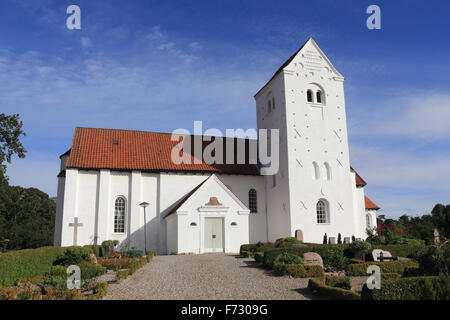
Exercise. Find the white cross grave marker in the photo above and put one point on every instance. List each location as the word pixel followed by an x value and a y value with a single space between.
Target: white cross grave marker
pixel 75 226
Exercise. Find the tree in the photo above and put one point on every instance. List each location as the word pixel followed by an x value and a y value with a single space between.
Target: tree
pixel 10 133
pixel 339 239
pixel 325 240
pixel 27 217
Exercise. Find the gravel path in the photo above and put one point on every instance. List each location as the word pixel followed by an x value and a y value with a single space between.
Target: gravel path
pixel 207 276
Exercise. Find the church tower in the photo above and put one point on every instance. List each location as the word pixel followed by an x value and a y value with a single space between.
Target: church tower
pixel 314 190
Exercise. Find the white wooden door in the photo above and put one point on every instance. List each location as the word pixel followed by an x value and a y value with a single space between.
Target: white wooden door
pixel 214 234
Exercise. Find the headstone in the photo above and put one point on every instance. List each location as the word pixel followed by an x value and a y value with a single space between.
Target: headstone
pixel 299 235
pixel 332 240
pixel 93 258
pixel 312 259
pixel 376 253
pixel 347 240
pixel 436 236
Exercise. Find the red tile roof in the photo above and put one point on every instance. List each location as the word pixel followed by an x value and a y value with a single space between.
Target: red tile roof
pixel 139 150
pixel 369 204
pixel 359 181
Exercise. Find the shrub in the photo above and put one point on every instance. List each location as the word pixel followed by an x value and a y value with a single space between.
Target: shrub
pixel 299 270
pixel 89 270
pixel 339 239
pixel 357 249
pixel 390 276
pixel 319 287
pixel 28 263
pixel 98 250
pixel 121 274
pixel 286 242
pixel 247 248
pixel 417 288
pixel 288 258
pixel 412 272
pixel 397 250
pixel 434 260
pixel 271 254
pixel 338 282
pixel 355 261
pixel 325 238
pixel 133 253
pixel 74 255
pixel 57 272
pixel 360 269
pixel 332 256
pixel 259 256
pixel 99 291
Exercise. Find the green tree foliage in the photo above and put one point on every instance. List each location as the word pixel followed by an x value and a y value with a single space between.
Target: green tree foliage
pixel 10 133
pixel 27 217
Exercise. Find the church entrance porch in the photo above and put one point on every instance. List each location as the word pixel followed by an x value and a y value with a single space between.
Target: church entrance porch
pixel 213 235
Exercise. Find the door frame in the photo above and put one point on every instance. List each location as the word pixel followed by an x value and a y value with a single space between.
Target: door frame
pixel 212 212
pixel 222 220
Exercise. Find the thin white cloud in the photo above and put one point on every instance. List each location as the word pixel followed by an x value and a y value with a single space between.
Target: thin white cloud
pixel 85 42
pixel 155 33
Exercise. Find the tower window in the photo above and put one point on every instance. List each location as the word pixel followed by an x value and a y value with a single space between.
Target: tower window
pixel 309 96
pixel 327 171
pixel 273 103
pixel 252 201
pixel 322 212
pixel 319 96
pixel 269 106
pixel 316 171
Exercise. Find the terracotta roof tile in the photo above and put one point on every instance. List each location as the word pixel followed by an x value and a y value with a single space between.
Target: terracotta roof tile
pixel 139 150
pixel 369 204
pixel 359 181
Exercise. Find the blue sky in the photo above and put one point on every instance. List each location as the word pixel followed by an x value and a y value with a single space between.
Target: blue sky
pixel 160 65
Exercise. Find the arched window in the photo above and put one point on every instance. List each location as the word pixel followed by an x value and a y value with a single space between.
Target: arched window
pixel 322 212
pixel 309 96
pixel 193 224
pixel 319 96
pixel 368 221
pixel 316 171
pixel 119 215
pixel 252 201
pixel 234 224
pixel 327 167
pixel 269 106
pixel 273 103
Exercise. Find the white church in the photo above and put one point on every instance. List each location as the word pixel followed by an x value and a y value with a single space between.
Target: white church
pixel 108 176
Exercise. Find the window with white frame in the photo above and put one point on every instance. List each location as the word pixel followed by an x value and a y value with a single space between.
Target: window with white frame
pixel 119 215
pixel 252 201
pixel 322 211
pixel 309 96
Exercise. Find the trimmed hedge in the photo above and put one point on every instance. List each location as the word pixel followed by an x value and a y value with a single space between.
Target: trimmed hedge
pixel 417 288
pixel 259 256
pixel 390 276
pixel 401 250
pixel 360 269
pixel 299 270
pixel 247 248
pixel 271 254
pixel 338 282
pixel 28 263
pixel 318 286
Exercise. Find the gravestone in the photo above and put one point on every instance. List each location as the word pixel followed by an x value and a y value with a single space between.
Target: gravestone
pixel 312 259
pixel 436 236
pixel 299 235
pixel 347 240
pixel 332 240
pixel 376 253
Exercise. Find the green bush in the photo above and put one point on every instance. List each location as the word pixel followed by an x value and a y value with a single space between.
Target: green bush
pixel 319 287
pixel 390 276
pixel 247 248
pixel 271 254
pixel 398 250
pixel 288 258
pixel 360 269
pixel 133 253
pixel 412 272
pixel 121 274
pixel 73 256
pixel 259 256
pixel 89 270
pixel 28 263
pixel 338 282
pixel 434 260
pixel 98 250
pixel 57 272
pixel 417 288
pixel 357 249
pixel 332 256
pixel 286 242
pixel 299 270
